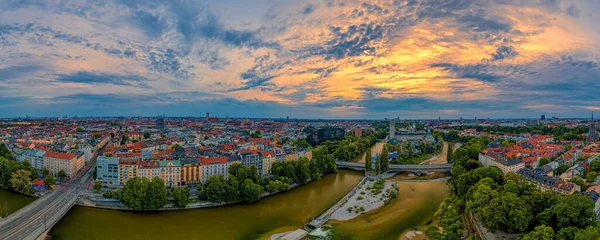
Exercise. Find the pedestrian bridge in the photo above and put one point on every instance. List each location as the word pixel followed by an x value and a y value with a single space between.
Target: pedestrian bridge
pixel 419 168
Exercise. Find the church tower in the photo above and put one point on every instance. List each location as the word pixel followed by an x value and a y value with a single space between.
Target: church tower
pixel 592 134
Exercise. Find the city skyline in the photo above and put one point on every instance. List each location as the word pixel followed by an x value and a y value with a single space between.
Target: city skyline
pixel 303 59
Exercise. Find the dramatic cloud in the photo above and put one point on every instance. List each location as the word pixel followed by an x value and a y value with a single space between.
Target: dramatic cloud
pixel 314 58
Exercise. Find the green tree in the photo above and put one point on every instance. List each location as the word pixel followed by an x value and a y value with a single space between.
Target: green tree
pixel 591 232
pixel 20 181
pixel 62 175
pixel 542 232
pixel 595 166
pixel 216 189
pixel 591 176
pixel 543 161
pixel 368 160
pixel 302 167
pixel 146 135
pixel 49 180
pixel 561 169
pixel 575 210
pixel 156 194
pixel 449 153
pixel 97 186
pixel 383 158
pixel 45 172
pixel 134 193
pixel 79 129
pixel 250 191
pixel 181 197
pixel 378 164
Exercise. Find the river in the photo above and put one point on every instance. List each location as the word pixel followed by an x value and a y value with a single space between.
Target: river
pixel 416 205
pixel 14 201
pixel 278 213
pixel 375 149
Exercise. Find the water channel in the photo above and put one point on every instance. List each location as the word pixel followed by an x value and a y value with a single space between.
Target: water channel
pixel 374 150
pixel 416 204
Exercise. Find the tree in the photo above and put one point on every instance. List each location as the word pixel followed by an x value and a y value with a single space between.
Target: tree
pixel 591 176
pixel 595 166
pixel 575 210
pixel 449 153
pixel 79 129
pixel 45 172
pixel 368 160
pixel 97 186
pixel 542 232
pixel 181 197
pixel 302 167
pixel 591 232
pixel 146 135
pixel 62 175
pixel 383 158
pixel 21 181
pixel 249 191
pixel 134 193
pixel 216 189
pixel 543 161
pixel 156 194
pixel 49 180
pixel 561 169
pixel 377 164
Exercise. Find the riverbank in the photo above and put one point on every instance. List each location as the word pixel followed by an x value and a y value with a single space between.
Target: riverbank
pixel 415 206
pixel 368 197
pixel 115 204
pixel 278 213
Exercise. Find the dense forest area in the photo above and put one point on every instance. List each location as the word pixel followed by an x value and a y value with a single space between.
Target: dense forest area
pixel 509 203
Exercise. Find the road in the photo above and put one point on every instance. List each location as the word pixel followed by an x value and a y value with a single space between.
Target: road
pixel 34 219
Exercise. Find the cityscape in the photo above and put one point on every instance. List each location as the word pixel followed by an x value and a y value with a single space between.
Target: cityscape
pixel 299 120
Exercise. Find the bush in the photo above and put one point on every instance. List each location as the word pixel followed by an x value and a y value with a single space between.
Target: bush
pixel 376 191
pixel 393 194
pixel 359 198
pixel 349 209
pixel 362 209
pixel 362 193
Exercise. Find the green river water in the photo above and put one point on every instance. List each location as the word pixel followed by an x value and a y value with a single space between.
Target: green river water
pixel 278 213
pixel 12 201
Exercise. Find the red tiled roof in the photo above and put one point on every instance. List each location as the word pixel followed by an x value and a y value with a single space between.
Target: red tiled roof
pixel 66 156
pixel 207 161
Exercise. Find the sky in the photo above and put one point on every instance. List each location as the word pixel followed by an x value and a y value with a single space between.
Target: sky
pixel 302 58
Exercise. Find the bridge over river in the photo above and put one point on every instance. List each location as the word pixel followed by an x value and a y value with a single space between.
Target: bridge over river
pixel 419 169
pixel 38 217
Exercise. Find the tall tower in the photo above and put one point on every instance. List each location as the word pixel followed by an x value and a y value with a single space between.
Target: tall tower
pixel 592 134
pixel 392 129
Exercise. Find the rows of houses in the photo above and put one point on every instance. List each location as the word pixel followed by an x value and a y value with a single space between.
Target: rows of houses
pixel 188 170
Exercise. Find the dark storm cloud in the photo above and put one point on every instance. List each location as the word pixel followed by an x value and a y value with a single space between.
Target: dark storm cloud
pixel 260 75
pixel 572 10
pixel 504 52
pixel 102 77
pixel 194 21
pixel 18 72
pixel 570 60
pixel 356 40
pixel 473 71
pixel 308 9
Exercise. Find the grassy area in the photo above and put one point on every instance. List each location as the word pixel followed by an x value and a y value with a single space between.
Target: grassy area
pixel 414 159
